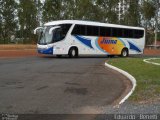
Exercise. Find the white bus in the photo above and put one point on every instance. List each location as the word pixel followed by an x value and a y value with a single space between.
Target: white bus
pixel 75 37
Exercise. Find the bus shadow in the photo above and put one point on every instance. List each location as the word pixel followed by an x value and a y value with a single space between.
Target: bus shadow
pixel 79 57
pixel 95 56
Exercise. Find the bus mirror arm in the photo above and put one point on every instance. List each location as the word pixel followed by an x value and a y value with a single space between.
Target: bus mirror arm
pixel 35 31
pixel 53 28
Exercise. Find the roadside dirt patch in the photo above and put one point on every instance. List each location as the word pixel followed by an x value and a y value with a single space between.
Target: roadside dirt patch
pixel 17 46
pixel 152 51
pixel 18 53
pixel 21 50
pixel 17 50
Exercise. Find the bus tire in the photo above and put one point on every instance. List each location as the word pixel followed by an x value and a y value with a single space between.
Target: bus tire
pixel 73 52
pixel 124 52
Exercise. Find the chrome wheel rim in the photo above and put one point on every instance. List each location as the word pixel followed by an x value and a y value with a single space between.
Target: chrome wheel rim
pixel 73 52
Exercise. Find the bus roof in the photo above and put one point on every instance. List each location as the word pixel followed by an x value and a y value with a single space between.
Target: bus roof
pixel 89 23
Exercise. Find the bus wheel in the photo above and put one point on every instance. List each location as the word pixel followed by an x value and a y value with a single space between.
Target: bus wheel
pixel 73 52
pixel 124 52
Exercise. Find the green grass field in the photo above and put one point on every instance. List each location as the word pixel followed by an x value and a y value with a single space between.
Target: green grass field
pixel 147 76
pixel 155 60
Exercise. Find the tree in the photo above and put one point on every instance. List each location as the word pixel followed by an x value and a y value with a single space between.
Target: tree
pixel 108 10
pixel 132 16
pixel 81 9
pixel 85 10
pixel 52 10
pixel 27 14
pixel 39 9
pixel 148 13
pixel 157 20
pixel 69 9
pixel 7 19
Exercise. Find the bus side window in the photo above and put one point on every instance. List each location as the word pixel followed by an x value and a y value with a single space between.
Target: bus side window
pixel 136 33
pixel 105 31
pixel 76 30
pixel 131 33
pixel 96 31
pixel 82 30
pixel 65 28
pixel 109 32
pixel 89 30
pixel 141 33
pixel 119 32
pixel 114 32
pixel 126 33
pixel 92 30
pixel 79 30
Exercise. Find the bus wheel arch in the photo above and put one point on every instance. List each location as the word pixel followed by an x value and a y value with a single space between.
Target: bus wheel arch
pixel 124 52
pixel 73 52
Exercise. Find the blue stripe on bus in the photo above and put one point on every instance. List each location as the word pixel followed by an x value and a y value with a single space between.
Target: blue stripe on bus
pixel 85 41
pixel 134 47
pixel 46 51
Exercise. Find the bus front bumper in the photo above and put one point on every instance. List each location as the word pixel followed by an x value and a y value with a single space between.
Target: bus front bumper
pixel 45 51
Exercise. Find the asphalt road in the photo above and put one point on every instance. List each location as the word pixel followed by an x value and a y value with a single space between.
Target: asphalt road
pixel 57 85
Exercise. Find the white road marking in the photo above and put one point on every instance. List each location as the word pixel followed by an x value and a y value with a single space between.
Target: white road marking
pixel 146 60
pixel 130 77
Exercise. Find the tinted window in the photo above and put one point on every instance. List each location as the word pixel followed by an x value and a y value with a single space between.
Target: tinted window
pixel 76 30
pixel 119 32
pixel 85 30
pixel 60 33
pixel 105 31
pixel 79 30
pixel 90 30
pixel 96 31
pixel 114 32
pixel 139 33
pixel 65 28
pixel 108 31
pixel 128 33
pixel 131 33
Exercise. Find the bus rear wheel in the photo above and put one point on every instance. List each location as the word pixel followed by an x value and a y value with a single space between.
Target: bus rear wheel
pixel 124 52
pixel 73 53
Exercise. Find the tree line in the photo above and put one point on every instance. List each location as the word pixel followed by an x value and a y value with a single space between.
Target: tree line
pixel 20 17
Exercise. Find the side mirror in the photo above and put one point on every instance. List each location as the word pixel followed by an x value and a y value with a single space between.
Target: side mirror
pixel 53 28
pixel 35 31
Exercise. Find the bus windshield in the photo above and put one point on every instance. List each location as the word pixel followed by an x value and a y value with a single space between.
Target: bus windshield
pixel 58 34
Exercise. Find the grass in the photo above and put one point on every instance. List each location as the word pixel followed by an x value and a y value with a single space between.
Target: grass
pixel 155 60
pixel 147 76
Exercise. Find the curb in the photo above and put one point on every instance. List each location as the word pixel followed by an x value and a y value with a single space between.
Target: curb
pixel 130 77
pixel 146 60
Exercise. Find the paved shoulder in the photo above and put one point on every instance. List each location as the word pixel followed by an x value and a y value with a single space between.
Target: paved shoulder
pixel 51 85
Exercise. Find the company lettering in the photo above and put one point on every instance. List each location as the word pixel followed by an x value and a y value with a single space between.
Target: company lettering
pixel 105 41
